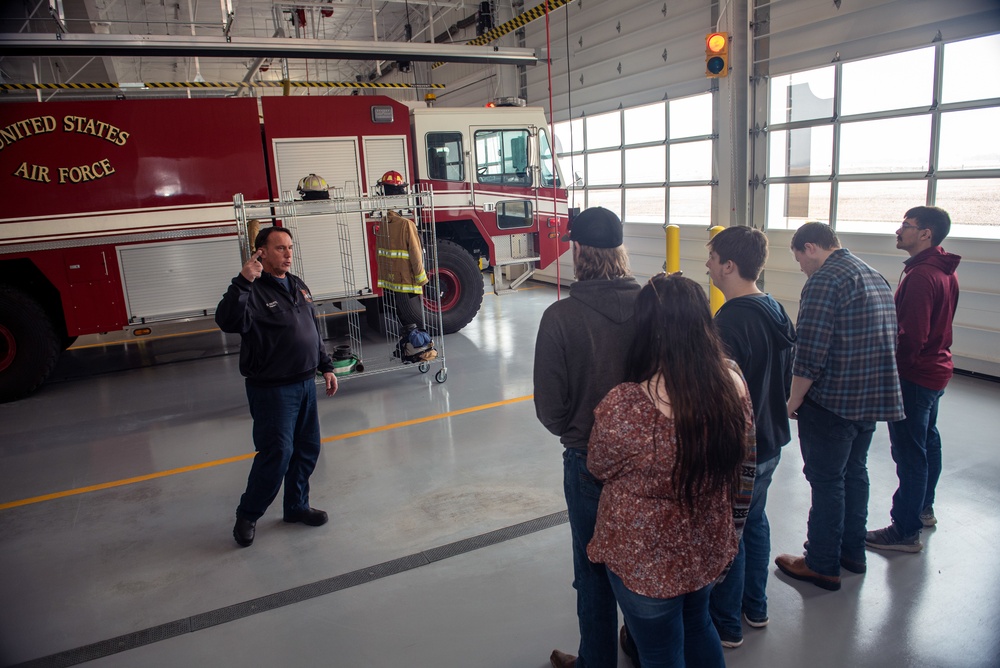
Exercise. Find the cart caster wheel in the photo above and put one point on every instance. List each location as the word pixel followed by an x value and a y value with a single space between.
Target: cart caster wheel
pixel 441 376
pixel 424 367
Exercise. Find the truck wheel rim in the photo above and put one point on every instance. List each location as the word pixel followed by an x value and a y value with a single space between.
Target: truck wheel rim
pixel 451 292
pixel 8 348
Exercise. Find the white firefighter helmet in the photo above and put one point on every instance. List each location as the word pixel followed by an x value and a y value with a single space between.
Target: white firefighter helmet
pixel 313 187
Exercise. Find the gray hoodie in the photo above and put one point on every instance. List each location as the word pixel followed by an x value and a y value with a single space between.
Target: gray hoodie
pixel 580 354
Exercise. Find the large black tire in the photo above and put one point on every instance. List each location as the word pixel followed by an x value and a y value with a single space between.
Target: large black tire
pixel 461 290
pixel 29 345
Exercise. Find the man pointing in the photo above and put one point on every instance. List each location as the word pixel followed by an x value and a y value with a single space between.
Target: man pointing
pixel 280 352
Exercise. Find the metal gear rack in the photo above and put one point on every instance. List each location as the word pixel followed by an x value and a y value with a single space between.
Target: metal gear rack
pixel 346 209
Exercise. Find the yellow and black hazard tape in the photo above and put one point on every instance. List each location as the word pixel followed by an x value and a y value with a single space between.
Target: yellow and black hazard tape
pixel 56 86
pixel 536 12
pixel 215 84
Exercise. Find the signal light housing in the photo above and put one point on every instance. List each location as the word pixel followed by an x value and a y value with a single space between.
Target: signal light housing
pixel 716 55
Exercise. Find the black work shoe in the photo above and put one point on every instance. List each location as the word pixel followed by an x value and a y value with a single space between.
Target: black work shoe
pixel 309 516
pixel 244 531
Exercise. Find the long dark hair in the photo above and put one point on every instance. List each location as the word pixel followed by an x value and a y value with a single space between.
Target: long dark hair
pixel 675 338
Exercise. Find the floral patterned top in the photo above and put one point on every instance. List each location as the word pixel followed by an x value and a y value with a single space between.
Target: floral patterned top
pixel 657 546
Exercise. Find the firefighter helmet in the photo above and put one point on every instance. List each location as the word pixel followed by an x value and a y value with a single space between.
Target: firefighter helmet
pixel 392 183
pixel 313 187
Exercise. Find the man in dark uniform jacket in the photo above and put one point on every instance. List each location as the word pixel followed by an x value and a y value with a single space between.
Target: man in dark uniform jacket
pixel 272 311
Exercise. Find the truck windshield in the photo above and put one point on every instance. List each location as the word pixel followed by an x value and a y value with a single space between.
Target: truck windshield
pixel 502 157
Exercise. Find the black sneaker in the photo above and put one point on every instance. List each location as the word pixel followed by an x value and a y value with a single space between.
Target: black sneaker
pixel 755 621
pixel 889 538
pixel 927 516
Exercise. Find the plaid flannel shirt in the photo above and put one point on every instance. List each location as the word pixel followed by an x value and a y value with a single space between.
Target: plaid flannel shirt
pixel 847 340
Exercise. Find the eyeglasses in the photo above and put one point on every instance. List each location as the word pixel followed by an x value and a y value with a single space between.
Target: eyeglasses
pixel 906 224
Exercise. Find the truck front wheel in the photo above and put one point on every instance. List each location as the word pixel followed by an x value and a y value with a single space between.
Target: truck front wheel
pixel 29 345
pixel 461 285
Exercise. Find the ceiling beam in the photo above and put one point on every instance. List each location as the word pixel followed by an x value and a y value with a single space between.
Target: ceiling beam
pixel 42 44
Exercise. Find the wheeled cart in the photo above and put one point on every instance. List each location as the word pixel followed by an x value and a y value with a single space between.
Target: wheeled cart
pixel 346 233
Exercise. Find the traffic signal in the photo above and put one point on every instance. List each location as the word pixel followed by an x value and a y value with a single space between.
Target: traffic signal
pixel 716 55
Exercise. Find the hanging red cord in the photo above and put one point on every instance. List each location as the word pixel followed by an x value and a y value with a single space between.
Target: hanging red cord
pixel 552 146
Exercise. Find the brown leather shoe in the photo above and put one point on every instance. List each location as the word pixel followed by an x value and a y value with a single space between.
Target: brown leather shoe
pixel 562 660
pixel 795 567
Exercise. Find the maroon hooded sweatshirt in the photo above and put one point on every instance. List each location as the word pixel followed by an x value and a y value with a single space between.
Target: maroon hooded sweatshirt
pixel 925 307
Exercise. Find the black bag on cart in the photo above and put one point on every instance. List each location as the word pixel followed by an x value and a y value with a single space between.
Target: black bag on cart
pixel 415 346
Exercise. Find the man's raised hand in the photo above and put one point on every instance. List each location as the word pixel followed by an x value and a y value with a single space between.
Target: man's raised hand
pixel 253 268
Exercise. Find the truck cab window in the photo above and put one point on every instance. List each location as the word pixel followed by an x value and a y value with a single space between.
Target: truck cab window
pixel 547 164
pixel 445 158
pixel 502 157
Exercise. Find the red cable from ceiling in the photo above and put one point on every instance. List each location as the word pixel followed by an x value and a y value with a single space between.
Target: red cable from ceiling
pixel 552 146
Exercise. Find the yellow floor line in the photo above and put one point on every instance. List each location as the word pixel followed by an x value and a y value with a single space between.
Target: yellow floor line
pixel 249 455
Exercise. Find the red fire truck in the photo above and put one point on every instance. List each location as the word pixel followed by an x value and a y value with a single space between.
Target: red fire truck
pixel 120 213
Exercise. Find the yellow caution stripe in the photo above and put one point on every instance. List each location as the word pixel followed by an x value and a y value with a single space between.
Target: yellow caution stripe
pixel 536 12
pixel 212 85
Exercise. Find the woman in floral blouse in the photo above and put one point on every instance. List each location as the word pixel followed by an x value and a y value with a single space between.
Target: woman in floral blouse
pixel 674 448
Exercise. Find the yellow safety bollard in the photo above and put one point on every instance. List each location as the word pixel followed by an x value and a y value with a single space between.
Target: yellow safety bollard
pixel 715 297
pixel 673 263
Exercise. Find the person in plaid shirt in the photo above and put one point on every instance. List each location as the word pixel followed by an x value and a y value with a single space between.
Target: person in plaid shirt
pixel 844 380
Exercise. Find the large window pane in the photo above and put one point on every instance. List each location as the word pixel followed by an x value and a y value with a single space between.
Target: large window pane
pixel 972 205
pixel 789 205
pixel 609 199
pixel 898 81
pixel 803 152
pixel 691 161
pixel 964 66
pixel 569 136
pixel 691 205
pixel 877 206
pixel 890 145
pixel 604 130
pixel 646 124
pixel 572 167
pixel 691 116
pixel 646 165
pixel 970 139
pixel 645 205
pixel 802 96
pixel 604 169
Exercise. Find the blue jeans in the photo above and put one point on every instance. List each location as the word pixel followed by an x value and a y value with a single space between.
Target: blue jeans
pixel 916 449
pixel 835 452
pixel 286 437
pixel 671 632
pixel 745 584
pixel 596 608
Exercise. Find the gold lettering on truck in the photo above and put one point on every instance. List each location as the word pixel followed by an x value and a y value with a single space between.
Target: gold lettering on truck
pixel 29 127
pixel 25 128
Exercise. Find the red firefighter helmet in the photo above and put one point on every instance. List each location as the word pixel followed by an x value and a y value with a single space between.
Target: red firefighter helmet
pixel 392 183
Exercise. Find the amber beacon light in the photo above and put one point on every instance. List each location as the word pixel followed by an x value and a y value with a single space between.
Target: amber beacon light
pixel 716 55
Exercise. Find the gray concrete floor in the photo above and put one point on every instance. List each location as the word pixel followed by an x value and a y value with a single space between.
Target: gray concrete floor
pixel 117 493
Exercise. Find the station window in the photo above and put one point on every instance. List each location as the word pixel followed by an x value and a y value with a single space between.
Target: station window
pixel 890 147
pixel 649 164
